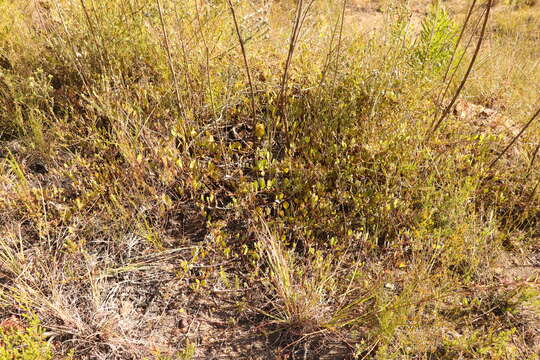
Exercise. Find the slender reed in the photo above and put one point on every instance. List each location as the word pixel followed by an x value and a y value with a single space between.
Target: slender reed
pixel 338 53
pixel 76 62
pixel 515 138
pixel 299 19
pixel 467 73
pixel 207 57
pixel 533 159
pixel 292 45
pixel 94 32
pixel 244 55
pixel 443 93
pixel 340 38
pixel 330 52
pixel 171 64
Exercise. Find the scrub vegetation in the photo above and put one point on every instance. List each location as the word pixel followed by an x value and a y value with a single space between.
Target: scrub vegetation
pixel 268 179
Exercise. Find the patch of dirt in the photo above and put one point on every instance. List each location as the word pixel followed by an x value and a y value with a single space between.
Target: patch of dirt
pixel 519 270
pixel 485 119
pixel 515 268
pixel 12 323
pixel 370 16
pixel 221 331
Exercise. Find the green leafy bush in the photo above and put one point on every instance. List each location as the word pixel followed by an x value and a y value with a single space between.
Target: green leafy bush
pixel 24 344
pixel 437 39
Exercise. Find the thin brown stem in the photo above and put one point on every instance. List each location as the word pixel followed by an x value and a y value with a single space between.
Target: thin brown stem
pixel 515 138
pixel 171 64
pixel 331 50
pixel 443 93
pixel 450 80
pixel 467 73
pixel 76 62
pixel 299 19
pixel 533 159
pixel 187 79
pixel 292 45
pixel 207 57
pixel 533 192
pixel 461 33
pixel 336 69
pixel 94 32
pixel 244 55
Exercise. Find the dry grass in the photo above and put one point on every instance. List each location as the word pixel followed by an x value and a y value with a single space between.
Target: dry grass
pixel 225 179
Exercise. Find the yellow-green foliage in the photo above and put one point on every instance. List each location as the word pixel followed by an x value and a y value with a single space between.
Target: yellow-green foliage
pixel 131 160
pixel 24 344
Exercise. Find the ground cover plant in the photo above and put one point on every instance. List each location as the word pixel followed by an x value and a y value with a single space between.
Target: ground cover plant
pixel 269 179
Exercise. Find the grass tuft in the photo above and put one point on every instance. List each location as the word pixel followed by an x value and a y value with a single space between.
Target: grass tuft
pixel 253 180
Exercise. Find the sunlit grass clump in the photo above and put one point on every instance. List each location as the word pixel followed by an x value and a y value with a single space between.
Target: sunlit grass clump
pixel 264 179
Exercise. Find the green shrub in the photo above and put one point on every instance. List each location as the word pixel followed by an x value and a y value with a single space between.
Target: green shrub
pixel 26 344
pixel 437 39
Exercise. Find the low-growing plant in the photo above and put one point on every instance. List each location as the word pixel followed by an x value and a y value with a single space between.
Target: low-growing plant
pixel 174 181
pixel 24 342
